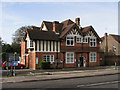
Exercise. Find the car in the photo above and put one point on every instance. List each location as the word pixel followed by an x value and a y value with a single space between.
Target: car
pixel 19 66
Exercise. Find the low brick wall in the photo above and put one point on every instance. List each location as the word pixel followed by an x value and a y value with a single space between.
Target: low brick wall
pixel 110 60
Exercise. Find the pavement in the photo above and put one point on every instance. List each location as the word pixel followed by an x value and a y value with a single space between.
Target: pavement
pixel 60 75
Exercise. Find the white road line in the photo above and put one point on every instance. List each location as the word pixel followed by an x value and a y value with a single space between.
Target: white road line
pixel 94 84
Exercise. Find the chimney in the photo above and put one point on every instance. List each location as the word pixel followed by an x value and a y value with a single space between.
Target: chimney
pixel 77 20
pixel 55 25
pixel 106 43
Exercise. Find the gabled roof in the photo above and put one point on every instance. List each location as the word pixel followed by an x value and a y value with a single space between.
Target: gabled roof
pixel 68 29
pixel 41 35
pixel 85 30
pixel 116 37
pixel 62 29
pixel 66 23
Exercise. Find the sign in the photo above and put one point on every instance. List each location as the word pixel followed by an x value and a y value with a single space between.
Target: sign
pixel 15 53
pixel 14 63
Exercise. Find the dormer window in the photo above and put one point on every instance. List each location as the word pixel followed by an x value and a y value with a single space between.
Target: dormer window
pixel 70 41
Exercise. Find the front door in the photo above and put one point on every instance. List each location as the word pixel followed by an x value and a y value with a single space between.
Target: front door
pixel 81 61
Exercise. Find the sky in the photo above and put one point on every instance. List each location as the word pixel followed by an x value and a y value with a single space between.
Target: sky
pixel 103 16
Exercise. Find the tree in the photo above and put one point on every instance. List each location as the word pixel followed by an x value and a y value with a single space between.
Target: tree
pixel 16 47
pixel 19 34
pixel 6 48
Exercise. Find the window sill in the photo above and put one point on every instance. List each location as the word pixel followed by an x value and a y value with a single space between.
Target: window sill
pixel 69 63
pixel 30 47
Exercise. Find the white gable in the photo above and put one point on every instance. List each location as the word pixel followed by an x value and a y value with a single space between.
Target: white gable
pixel 74 32
pixel 44 28
pixel 90 33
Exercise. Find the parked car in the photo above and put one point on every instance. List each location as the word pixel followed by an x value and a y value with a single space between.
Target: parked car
pixel 4 65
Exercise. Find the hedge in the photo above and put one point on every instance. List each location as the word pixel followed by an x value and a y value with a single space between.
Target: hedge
pixel 44 65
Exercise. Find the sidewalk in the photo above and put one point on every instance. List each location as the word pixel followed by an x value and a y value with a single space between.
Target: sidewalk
pixel 60 75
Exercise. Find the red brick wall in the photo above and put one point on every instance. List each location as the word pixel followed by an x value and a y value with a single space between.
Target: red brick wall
pixel 97 63
pixel 22 51
pixel 40 57
pixel 32 60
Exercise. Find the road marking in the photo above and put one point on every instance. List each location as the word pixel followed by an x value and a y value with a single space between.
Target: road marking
pixel 95 84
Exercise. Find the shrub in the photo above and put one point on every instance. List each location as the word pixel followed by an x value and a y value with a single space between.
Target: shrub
pixel 44 65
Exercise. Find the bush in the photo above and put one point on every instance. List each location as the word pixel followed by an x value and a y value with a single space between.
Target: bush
pixel 44 65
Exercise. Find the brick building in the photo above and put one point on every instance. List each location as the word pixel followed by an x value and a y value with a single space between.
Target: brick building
pixel 110 45
pixel 67 43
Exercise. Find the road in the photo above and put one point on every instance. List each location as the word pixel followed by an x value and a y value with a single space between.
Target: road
pixel 108 81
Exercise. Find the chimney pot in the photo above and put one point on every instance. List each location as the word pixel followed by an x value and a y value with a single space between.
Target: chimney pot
pixel 77 20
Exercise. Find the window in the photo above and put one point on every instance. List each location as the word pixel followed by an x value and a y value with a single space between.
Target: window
pixel 85 39
pixel 49 58
pixel 93 42
pixel 92 56
pixel 70 57
pixel 114 48
pixel 36 60
pixel 70 40
pixel 79 39
pixel 29 44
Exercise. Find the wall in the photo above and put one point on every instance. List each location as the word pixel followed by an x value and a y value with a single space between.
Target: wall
pixel 110 60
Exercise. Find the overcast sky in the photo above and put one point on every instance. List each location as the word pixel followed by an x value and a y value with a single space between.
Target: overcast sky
pixel 103 16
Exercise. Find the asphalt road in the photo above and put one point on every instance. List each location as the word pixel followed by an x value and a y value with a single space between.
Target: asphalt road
pixel 108 81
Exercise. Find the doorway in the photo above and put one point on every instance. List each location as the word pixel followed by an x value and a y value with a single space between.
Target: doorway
pixel 81 61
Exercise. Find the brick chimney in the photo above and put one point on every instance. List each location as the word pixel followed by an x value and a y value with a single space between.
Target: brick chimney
pixel 55 25
pixel 106 43
pixel 77 20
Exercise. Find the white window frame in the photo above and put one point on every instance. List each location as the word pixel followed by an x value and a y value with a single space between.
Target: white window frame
pixel 93 57
pixel 37 60
pixel 69 57
pixel 51 56
pixel 79 39
pixel 93 38
pixel 29 43
pixel 70 40
pixel 114 48
pixel 86 38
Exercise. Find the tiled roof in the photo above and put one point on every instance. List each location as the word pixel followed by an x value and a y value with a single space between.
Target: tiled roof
pixel 116 37
pixel 62 28
pixel 42 35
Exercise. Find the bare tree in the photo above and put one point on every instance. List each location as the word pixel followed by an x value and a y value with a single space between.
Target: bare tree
pixel 19 34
